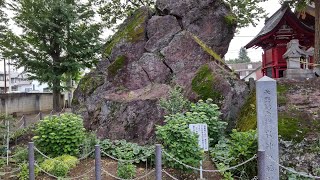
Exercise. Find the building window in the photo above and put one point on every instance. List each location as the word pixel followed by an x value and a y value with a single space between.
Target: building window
pixel 1 78
pixel 249 66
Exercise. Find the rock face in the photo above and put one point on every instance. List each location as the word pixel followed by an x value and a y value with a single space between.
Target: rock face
pixel 151 53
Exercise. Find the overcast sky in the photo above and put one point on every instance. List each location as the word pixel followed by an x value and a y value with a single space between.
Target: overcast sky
pixel 245 35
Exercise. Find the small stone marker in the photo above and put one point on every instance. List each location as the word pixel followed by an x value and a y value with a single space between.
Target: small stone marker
pixel 266 91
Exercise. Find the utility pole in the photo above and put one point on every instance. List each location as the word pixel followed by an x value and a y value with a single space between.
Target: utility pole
pixel 10 86
pixel 5 75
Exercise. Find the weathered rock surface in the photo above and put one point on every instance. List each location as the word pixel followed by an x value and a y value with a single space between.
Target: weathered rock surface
pixel 151 54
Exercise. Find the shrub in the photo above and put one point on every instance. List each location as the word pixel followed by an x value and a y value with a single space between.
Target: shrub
pixel 209 113
pixel 59 135
pixel 126 170
pixel 175 103
pixel 232 151
pixel 122 149
pixel 60 165
pixel 24 171
pixel 178 140
pixel 20 154
pixel 89 142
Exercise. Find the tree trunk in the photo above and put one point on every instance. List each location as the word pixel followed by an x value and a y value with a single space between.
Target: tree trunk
pixel 56 95
pixel 317 33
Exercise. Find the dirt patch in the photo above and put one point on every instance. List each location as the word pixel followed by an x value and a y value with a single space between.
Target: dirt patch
pixel 111 167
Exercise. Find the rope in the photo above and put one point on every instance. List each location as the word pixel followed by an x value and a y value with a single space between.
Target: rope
pixel 37 116
pixel 168 174
pixel 141 177
pixel 47 157
pixel 204 170
pixel 20 119
pixel 86 155
pixel 11 172
pixel 61 111
pixel 122 160
pixel 5 157
pixel 294 171
pixel 70 178
pixel 21 126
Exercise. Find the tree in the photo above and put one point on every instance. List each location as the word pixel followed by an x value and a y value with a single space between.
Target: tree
pixel 242 58
pixel 59 38
pixel 245 13
pixel 243 55
pixel 115 11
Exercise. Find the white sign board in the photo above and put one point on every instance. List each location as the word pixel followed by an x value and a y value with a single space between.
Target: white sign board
pixel 202 131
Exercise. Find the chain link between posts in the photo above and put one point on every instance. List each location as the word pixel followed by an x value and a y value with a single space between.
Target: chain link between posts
pixel 11 172
pixel 141 177
pixel 66 178
pixel 204 170
pixel 122 160
pixel 293 171
pixel 168 174
pixel 47 157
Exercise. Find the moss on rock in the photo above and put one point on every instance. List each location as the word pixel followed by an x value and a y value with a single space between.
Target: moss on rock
pixel 292 124
pixel 203 84
pixel 248 115
pixel 281 94
pixel 90 82
pixel 290 127
pixel 132 31
pixel 116 65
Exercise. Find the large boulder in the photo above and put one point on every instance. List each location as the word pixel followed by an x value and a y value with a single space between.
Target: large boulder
pixel 149 55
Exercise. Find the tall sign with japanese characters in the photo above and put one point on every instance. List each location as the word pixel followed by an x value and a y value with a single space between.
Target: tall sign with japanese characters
pixel 267 116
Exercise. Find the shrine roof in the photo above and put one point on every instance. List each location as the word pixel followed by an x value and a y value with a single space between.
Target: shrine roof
pixel 272 23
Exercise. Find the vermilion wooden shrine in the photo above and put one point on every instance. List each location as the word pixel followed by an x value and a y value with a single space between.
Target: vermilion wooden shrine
pixel 279 30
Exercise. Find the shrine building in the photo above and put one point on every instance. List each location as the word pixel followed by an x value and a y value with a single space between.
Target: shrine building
pixel 281 28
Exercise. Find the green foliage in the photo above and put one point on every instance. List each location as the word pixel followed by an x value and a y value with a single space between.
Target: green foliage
pixel 6 121
pixel 178 140
pixel 58 38
pixel 60 165
pixel 3 162
pixel 124 150
pixel 115 11
pixel 126 170
pixel 234 150
pixel 20 154
pixel 24 171
pixel 89 142
pixel 117 65
pixel 175 102
pixel 59 135
pixel 203 84
pixel 242 58
pixel 246 12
